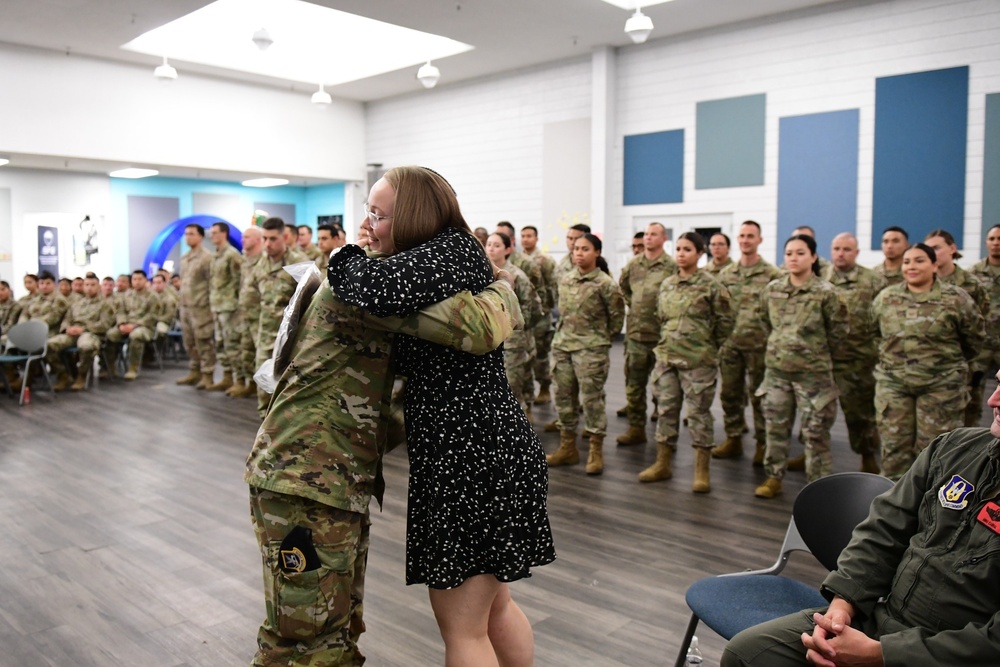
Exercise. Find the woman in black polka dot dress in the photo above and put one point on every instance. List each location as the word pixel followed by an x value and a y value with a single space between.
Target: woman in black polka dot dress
pixel 476 516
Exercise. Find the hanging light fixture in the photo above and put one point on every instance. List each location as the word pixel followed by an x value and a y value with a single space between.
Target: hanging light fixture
pixel 165 72
pixel 638 26
pixel 262 38
pixel 428 75
pixel 321 98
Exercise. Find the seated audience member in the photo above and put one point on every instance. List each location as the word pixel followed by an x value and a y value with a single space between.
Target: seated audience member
pixel 917 585
pixel 107 287
pixel 49 305
pixel 136 321
pixel 86 322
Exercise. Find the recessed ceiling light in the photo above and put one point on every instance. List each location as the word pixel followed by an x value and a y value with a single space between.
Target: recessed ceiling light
pixel 4 161
pixel 133 172
pixel 635 4
pixel 265 182
pixel 317 43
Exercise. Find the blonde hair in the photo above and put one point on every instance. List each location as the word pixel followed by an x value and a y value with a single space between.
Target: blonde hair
pixel 425 204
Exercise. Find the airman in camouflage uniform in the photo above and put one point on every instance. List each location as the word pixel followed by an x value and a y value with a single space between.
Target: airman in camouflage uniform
pixel 543 329
pixel 249 303
pixel 31 285
pixel 854 364
pixel 926 340
pixel 316 463
pixel 10 311
pixel 593 310
pixel 640 284
pixel 48 305
pixel 85 324
pixel 136 321
pixel 988 273
pixel 534 272
pixel 741 359
pixel 718 247
pixel 895 241
pixel 196 313
pixel 696 318
pixel 949 272
pixel 223 298
pixel 305 245
pixel 274 287
pixel 805 323
pixel 167 302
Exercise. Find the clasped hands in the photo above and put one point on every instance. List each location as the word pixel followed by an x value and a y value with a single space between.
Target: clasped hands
pixel 834 643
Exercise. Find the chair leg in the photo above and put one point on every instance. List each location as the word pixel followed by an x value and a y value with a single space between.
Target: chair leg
pixel 25 381
pixel 686 642
pixel 48 378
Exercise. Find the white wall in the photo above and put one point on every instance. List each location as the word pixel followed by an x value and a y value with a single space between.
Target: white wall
pixel 486 135
pixel 88 108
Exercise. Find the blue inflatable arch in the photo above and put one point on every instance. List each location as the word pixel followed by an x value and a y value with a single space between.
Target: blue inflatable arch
pixel 165 241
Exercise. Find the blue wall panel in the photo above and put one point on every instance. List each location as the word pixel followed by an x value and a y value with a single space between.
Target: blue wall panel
pixel 920 148
pixel 729 140
pixel 818 175
pixel 654 168
pixel 991 167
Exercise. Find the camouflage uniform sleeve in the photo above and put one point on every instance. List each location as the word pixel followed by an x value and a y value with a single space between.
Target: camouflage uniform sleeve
pixel 972 327
pixel 471 323
pixel 837 324
pixel 625 283
pixel 105 319
pixel 531 305
pixel 765 309
pixel 615 302
pixel 722 308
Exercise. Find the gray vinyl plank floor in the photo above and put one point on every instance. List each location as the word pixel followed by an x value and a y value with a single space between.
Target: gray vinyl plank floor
pixel 125 539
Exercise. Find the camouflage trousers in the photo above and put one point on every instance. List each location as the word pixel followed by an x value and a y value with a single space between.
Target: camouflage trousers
pixel 227 341
pixel 909 417
pixel 136 342
pixel 313 618
pixel 197 333
pixel 741 373
pixel 639 363
pixel 695 388
pixel 543 332
pixel 815 394
pixel 89 345
pixel 518 363
pixel 579 378
pixel 248 344
pixel 856 384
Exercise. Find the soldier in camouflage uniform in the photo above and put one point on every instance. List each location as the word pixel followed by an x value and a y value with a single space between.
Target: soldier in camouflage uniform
pixel 10 311
pixel 249 305
pixel 718 246
pixel 806 321
pixel 534 273
pixel 136 321
pixel 48 305
pixel 741 359
pixel 31 285
pixel 326 240
pixel 929 331
pixel 196 313
pixel 695 318
pixel 85 324
pixel 316 463
pixel 593 310
pixel 854 364
pixel 223 298
pixel 167 302
pixel 304 235
pixel 544 329
pixel 519 349
pixel 274 287
pixel 640 284
pixel 988 273
pixel 944 246
pixel 895 241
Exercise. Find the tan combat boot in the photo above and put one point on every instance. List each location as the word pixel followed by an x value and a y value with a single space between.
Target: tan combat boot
pixel 730 448
pixel 702 458
pixel 595 459
pixel 192 378
pixel 661 469
pixel 225 383
pixel 798 463
pixel 80 383
pixel 544 397
pixel 249 390
pixel 567 454
pixel 769 489
pixel 237 387
pixel 62 381
pixel 205 382
pixel 552 426
pixel 132 372
pixel 635 435
pixel 758 455
pixel 622 412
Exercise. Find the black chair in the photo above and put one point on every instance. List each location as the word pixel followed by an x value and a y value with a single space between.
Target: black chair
pixel 824 516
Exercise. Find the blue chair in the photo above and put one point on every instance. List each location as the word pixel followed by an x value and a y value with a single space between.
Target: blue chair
pixel 27 342
pixel 824 516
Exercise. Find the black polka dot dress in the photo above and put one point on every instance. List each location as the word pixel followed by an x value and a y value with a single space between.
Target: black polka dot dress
pixel 478 478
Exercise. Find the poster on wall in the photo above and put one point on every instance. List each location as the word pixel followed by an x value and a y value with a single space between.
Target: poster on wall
pixel 48 250
pixel 85 241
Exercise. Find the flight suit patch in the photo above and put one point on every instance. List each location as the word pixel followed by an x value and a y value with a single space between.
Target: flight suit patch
pixel 954 494
pixel 989 516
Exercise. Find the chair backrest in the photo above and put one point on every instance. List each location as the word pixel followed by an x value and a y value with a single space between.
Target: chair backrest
pixel 30 336
pixel 827 511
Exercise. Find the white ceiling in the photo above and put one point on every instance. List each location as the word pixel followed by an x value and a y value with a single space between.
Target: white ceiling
pixel 507 34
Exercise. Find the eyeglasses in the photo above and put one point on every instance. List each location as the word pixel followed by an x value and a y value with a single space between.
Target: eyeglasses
pixel 374 218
